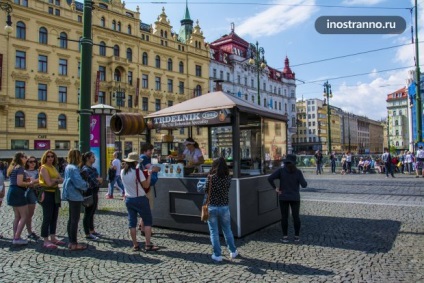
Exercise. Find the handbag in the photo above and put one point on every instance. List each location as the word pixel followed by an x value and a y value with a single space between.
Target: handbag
pixel 88 200
pixel 204 216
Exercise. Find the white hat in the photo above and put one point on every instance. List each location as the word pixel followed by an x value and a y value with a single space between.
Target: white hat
pixel 132 157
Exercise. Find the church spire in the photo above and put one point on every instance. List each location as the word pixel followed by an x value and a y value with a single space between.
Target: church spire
pixel 186 28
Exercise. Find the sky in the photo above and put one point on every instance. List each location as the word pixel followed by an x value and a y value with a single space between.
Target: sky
pixel 359 82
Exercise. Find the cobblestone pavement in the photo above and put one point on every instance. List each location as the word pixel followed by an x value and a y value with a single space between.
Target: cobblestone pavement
pixel 355 228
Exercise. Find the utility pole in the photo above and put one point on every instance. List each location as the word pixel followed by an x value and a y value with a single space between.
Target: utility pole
pixel 328 94
pixel 85 85
pixel 418 83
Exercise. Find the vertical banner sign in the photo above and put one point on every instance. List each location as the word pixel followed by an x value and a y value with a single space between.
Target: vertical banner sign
pixel 96 93
pixel 136 92
pixel 95 140
pixel 1 69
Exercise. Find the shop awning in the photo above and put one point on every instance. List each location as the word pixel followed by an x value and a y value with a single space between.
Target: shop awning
pixel 216 101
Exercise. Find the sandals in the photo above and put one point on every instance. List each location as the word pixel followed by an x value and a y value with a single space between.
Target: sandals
pixel 59 243
pixel 151 248
pixel 77 247
pixel 136 249
pixel 50 246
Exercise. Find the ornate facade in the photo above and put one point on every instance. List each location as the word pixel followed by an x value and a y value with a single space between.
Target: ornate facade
pixel 136 67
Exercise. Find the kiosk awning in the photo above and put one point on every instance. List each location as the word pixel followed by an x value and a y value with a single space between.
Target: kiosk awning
pixel 215 101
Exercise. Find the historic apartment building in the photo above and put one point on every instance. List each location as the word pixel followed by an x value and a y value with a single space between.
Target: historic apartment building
pixel 137 68
pixel 349 132
pixel 242 71
pixel 398 119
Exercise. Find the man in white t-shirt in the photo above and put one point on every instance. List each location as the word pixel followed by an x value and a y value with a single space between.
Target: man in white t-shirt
pixel 419 163
pixel 116 163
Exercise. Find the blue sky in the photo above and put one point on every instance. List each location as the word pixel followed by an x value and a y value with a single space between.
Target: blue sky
pixel 287 27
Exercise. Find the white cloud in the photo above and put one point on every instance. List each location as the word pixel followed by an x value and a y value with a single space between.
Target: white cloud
pixel 361 2
pixel 277 18
pixel 369 99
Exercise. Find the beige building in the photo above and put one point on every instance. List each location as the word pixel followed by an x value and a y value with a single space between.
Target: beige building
pixel 137 68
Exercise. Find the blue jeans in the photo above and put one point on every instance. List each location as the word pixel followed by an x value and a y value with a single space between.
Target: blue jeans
pixel 220 215
pixel 117 180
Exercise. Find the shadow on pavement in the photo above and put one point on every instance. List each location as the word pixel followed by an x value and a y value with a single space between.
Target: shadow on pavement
pixel 254 266
pixel 367 235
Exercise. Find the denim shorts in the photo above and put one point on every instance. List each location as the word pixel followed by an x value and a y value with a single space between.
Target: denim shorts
pixel 140 206
pixel 31 196
pixel 16 196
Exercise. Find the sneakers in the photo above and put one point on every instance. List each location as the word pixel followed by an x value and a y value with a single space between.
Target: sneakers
pixel 96 234
pixel 234 254
pixel 19 242
pixel 91 237
pixel 33 236
pixel 296 238
pixel 284 239
pixel 216 258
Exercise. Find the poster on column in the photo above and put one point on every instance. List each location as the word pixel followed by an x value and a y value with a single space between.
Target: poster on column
pixel 95 140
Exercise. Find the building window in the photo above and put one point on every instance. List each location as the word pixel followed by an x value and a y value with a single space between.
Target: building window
pixel 221 75
pixel 42 36
pixel 181 67
pixel 51 10
pixel 119 26
pixel 42 120
pixel 102 73
pixel 19 89
pixel 198 91
pixel 20 59
pixel 63 94
pixel 63 42
pixel 181 87
pixel 102 48
pixel 144 81
pixel 170 85
pixel 170 103
pixel 102 97
pixel 42 92
pixel 57 12
pixel 42 63
pixel 62 121
pixel 19 144
pixel 145 104
pixel 157 83
pixel 157 104
pixel 214 73
pixel 130 77
pixel 129 54
pixel 79 19
pixel 157 61
pixel 116 51
pixel 62 145
pixel 228 77
pixel 20 30
pixel 129 29
pixel 102 22
pixel 145 60
pixel 63 67
pixel 170 67
pixel 79 44
pixel 117 75
pixel 19 119
pixel 198 71
pixel 79 69
pixel 114 25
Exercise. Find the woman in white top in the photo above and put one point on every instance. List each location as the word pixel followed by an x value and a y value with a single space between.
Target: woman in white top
pixel 408 162
pixel 136 200
pixel 193 155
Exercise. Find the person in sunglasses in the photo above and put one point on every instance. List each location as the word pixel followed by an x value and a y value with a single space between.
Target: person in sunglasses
pixel 31 172
pixel 50 199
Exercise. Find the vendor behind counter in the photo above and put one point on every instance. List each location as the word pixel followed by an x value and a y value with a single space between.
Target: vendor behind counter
pixel 193 155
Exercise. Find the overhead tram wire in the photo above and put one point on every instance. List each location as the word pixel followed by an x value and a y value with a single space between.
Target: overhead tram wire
pixel 265 4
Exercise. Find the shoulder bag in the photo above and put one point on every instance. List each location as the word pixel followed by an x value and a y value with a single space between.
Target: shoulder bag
pixel 204 216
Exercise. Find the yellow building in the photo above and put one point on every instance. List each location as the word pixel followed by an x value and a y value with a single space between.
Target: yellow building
pixel 137 68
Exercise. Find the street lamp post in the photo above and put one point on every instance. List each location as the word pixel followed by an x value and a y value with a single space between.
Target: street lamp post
pixel 8 9
pixel 348 129
pixel 120 97
pixel 328 94
pixel 260 64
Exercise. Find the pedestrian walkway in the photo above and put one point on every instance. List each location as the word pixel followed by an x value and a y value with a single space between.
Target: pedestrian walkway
pixel 354 229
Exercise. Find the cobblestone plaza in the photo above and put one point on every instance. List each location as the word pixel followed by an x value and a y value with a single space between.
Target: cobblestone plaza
pixel 355 228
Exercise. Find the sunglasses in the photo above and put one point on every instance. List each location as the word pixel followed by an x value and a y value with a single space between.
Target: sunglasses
pixel 32 161
pixel 50 156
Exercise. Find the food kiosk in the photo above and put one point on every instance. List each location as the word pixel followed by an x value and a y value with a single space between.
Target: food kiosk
pixel 252 139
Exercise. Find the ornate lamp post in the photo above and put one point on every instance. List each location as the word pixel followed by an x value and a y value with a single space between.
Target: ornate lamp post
pixel 328 94
pixel 260 65
pixel 120 98
pixel 8 8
